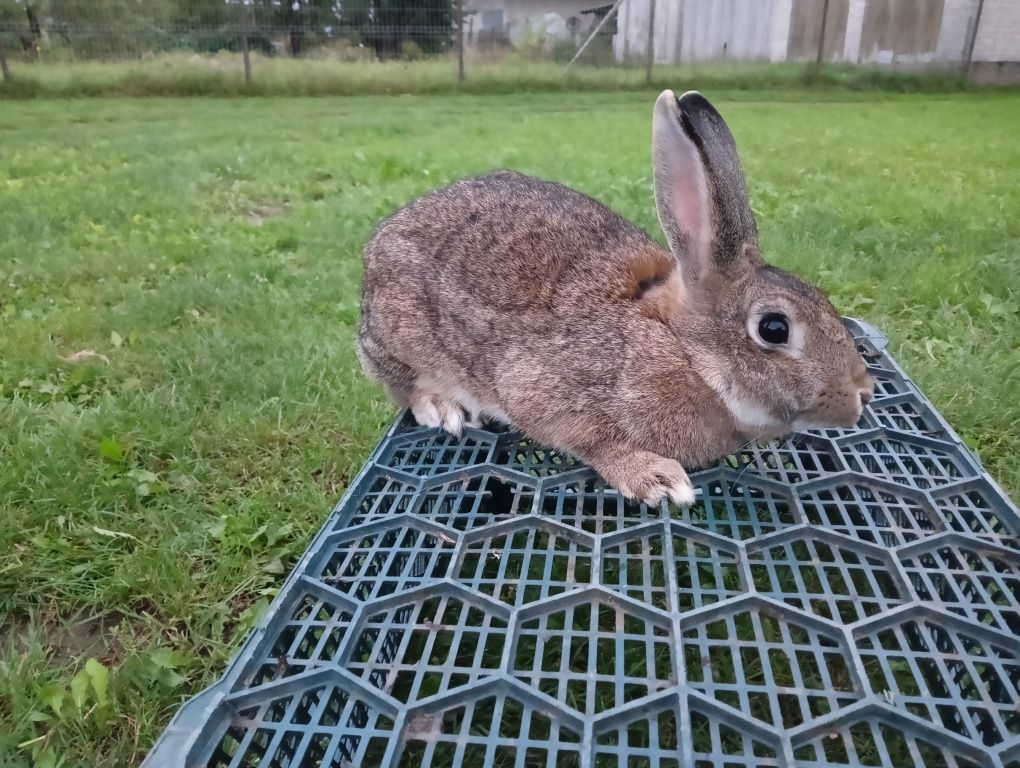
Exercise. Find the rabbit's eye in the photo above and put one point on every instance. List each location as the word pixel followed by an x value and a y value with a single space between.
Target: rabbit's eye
pixel 774 328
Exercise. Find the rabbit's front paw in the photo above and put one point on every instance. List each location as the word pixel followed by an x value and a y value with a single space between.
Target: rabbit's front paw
pixel 651 478
pixel 431 410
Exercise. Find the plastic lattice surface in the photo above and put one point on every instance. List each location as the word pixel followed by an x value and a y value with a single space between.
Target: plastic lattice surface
pixel 841 598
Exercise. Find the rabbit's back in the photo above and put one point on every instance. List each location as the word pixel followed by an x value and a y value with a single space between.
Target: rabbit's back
pixel 508 242
pixel 460 278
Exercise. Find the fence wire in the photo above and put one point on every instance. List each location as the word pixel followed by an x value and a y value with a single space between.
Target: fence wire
pixel 915 33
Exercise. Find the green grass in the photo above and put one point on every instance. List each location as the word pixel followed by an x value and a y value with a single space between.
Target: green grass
pixel 209 250
pixel 184 74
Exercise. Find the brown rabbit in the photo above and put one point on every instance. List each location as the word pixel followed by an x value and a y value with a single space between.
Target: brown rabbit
pixel 524 301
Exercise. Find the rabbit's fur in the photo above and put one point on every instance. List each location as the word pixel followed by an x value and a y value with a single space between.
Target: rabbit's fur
pixel 524 301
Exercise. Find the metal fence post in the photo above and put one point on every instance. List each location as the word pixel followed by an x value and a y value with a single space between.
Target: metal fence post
pixel 460 42
pixel 821 33
pixel 651 42
pixel 969 57
pixel 245 47
pixel 3 63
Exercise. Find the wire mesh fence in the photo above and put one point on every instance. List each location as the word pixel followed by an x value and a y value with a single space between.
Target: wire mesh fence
pixel 621 33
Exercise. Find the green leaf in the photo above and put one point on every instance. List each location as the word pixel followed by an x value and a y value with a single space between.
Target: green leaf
pixel 255 536
pixel 116 339
pixel 80 689
pixel 143 476
pixel 45 758
pixel 112 451
pixel 99 676
pixel 53 696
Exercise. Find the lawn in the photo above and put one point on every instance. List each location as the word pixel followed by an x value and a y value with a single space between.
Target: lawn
pixel 187 74
pixel 180 402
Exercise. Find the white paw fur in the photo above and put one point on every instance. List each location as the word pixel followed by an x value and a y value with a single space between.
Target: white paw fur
pixel 662 479
pixel 434 411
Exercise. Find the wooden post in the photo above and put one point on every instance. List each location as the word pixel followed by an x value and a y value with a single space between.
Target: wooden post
pixel 3 63
pixel 245 47
pixel 460 42
pixel 821 34
pixel 651 42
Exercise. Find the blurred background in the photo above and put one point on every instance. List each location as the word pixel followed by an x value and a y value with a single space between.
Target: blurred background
pixel 330 45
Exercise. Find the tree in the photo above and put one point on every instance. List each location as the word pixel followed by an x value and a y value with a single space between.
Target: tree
pixel 387 24
pixel 132 27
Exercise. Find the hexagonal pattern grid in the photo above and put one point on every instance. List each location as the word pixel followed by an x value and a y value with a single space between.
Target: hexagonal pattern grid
pixel 768 666
pixel 414 650
pixel 592 655
pixel 956 675
pixel 841 598
pixel 505 728
pixel 838 580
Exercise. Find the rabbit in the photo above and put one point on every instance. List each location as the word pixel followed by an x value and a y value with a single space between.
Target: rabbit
pixel 519 300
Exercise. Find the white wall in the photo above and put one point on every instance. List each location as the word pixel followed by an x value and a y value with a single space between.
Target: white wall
pixel 692 30
pixel 520 14
pixel 998 37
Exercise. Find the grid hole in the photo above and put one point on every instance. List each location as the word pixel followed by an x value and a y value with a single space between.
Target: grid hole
pixel 524 455
pixel 593 656
pixel 870 512
pixel 872 743
pixel 307 728
pixel 980 584
pixel 957 682
pixel 718 744
pixel 637 568
pixel 385 497
pixel 379 564
pixel 524 566
pixel 906 462
pixel 979 510
pixel 831 581
pixel 311 636
pixel 435 453
pixel 493 731
pixel 704 574
pixel 800 458
pixel 737 509
pixel 470 504
pixel 768 667
pixel 588 506
pixel 421 649
pixel 650 741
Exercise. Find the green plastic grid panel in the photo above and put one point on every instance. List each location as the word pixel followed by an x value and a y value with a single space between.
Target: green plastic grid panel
pixel 840 598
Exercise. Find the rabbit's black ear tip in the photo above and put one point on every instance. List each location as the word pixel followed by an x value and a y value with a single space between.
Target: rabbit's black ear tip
pixel 693 103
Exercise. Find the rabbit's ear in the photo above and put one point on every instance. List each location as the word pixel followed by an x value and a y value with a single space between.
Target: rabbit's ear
pixel 700 192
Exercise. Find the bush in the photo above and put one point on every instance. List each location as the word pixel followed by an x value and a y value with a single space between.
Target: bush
pixel 411 51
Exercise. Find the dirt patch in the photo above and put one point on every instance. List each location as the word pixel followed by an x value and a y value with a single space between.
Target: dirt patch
pixel 259 213
pixel 330 479
pixel 66 639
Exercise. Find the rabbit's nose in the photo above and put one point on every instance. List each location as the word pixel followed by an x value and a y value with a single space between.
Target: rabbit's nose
pixel 866 395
